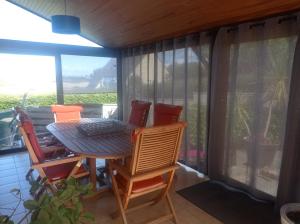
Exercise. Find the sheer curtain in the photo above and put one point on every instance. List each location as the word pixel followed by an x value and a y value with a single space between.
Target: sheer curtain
pixel 289 181
pixel 251 75
pixel 173 71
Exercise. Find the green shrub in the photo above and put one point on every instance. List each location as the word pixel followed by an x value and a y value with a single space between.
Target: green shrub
pixel 8 102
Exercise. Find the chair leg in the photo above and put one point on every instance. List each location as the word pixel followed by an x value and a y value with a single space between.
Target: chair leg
pixel 118 198
pixel 29 175
pixel 171 208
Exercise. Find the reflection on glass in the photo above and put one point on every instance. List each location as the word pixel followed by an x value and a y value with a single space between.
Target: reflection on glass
pixel 90 80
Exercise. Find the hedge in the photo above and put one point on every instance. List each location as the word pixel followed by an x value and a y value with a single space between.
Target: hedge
pixel 8 101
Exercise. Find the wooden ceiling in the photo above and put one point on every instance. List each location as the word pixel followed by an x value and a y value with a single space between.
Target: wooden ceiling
pixel 120 23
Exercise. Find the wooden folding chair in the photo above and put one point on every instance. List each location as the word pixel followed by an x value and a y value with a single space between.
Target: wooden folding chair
pixel 152 168
pixel 54 169
pixel 66 113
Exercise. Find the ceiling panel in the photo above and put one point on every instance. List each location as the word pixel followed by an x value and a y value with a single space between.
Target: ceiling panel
pixel 119 23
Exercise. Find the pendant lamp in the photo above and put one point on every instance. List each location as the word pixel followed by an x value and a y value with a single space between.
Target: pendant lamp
pixel 65 24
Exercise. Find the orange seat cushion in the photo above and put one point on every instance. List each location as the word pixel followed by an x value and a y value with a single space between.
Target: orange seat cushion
pixel 61 171
pixel 142 185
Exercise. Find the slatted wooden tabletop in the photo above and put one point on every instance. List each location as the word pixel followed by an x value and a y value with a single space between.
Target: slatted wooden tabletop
pixel 107 146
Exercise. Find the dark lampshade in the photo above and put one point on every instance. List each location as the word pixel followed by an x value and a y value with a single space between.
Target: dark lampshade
pixel 64 24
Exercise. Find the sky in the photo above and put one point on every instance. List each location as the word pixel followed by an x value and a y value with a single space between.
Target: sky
pixel 19 24
pixel 36 74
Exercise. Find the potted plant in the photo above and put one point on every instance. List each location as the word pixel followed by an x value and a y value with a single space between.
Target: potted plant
pixel 49 207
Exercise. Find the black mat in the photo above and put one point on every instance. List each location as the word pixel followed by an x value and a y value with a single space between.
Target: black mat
pixel 230 207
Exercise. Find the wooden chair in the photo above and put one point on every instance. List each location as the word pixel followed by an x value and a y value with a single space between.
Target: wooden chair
pixel 139 113
pixel 66 113
pixel 47 140
pixel 152 168
pixel 54 169
pixel 166 114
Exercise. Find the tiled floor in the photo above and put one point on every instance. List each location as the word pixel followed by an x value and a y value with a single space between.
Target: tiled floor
pixel 13 169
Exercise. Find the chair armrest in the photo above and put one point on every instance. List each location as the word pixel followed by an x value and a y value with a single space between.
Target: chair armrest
pixel 55 162
pixel 122 170
pixel 154 173
pixel 53 148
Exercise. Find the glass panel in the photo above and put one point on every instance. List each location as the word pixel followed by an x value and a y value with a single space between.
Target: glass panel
pixel 160 78
pixel 90 80
pixel 168 77
pixel 151 90
pixel 25 80
pixel 19 24
pixel 164 74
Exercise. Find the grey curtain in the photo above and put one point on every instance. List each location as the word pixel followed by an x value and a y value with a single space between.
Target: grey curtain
pixel 289 181
pixel 174 71
pixel 241 93
pixel 251 73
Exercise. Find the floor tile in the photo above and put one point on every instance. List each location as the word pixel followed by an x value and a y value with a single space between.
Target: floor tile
pixel 6 160
pixel 17 218
pixel 6 173
pixel 7 166
pixel 21 156
pixel 22 170
pixel 9 179
pixel 22 164
pixel 22 177
pixel 6 188
pixel 24 184
pixel 7 208
pixel 8 198
pixel 5 156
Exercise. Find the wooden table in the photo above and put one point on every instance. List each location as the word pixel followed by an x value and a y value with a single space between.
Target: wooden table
pixel 107 146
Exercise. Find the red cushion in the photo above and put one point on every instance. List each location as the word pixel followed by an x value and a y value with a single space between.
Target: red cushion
pixel 28 128
pixel 61 171
pixel 66 113
pixel 142 185
pixel 139 113
pixel 165 114
pixel 148 184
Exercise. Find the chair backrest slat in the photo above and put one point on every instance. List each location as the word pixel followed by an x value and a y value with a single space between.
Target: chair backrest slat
pixel 139 113
pixel 156 147
pixel 65 113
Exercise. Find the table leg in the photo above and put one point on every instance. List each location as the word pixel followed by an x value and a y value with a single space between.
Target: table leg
pixel 93 177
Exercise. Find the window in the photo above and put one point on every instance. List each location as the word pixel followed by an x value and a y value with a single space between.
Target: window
pixel 25 80
pixel 90 80
pixel 26 26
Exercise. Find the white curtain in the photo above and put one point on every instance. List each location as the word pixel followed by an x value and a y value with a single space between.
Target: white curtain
pixel 251 75
pixel 174 71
